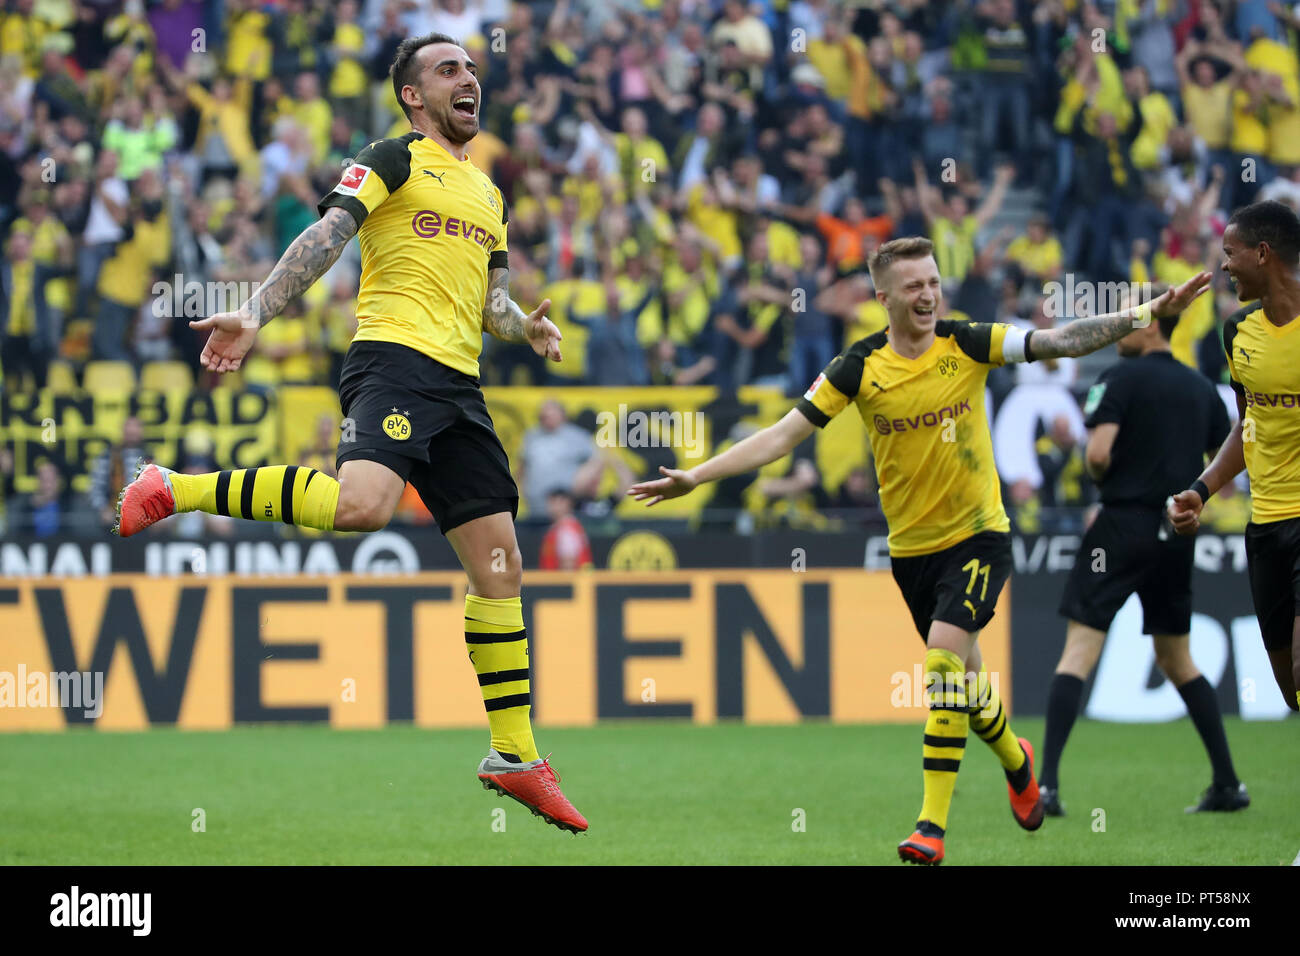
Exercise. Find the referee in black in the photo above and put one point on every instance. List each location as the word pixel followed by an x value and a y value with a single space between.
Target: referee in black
pixel 1151 421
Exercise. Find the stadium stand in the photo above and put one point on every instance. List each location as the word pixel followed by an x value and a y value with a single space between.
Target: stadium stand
pixel 663 162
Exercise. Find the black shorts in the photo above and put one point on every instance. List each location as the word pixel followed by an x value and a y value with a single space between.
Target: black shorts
pixel 959 585
pixel 430 424
pixel 1122 553
pixel 1273 563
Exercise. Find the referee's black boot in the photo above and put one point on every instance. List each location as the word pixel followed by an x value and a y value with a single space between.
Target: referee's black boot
pixel 1051 797
pixel 1222 799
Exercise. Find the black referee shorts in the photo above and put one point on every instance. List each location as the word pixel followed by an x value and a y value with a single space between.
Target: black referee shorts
pixel 1273 563
pixel 1122 553
pixel 958 585
pixel 430 424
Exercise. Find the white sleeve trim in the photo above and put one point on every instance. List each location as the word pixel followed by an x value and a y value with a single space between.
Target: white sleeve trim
pixel 1013 345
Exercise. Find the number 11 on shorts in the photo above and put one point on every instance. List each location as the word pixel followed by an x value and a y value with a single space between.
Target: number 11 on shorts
pixel 976 569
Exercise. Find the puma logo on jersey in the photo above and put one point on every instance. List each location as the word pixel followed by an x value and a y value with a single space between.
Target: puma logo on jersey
pixel 1245 353
pixel 437 176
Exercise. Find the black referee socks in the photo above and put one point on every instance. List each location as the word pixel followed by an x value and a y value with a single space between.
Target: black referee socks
pixel 1203 708
pixel 1062 709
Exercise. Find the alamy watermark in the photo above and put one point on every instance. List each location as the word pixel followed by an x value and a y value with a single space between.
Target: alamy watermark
pixel 76 690
pixel 657 429
pixel 1085 298
pixel 77 908
pixel 194 299
pixel 924 688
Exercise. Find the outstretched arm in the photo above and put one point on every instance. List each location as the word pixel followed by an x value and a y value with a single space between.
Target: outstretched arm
pixel 1085 336
pixel 759 449
pixel 306 260
pixel 505 320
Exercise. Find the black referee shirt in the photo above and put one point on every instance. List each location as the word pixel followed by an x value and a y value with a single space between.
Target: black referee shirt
pixel 1169 417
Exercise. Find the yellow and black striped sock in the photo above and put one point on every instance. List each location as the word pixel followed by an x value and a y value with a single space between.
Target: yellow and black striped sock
pixel 945 733
pixel 288 493
pixel 498 649
pixel 989 721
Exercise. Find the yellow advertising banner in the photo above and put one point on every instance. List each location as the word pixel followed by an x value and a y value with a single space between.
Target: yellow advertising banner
pixel 644 427
pixel 126 652
pixel 237 427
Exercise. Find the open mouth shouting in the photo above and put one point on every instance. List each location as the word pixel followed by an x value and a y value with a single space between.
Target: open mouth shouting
pixel 466 105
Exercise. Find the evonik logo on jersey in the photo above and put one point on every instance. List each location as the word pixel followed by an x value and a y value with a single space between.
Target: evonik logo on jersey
pixel 925 420
pixel 428 224
pixel 1274 399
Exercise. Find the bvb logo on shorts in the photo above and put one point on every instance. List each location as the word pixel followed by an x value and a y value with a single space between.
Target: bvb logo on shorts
pixel 397 426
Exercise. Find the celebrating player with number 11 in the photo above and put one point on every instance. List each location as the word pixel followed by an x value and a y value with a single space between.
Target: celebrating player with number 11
pixel 919 387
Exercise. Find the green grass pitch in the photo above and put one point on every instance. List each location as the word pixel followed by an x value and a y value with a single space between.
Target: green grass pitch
pixel 655 793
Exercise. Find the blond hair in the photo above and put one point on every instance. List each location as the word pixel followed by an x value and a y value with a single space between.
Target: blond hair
pixel 911 247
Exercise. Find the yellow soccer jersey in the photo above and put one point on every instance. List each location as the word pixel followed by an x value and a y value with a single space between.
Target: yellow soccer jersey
pixel 928 428
pixel 431 227
pixel 1263 360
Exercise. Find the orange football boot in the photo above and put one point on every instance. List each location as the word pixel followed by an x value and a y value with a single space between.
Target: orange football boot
pixel 535 785
pixel 1026 806
pixel 145 500
pixel 922 848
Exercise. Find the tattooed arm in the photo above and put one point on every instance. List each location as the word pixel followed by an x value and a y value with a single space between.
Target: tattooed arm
pixel 502 318
pixel 1082 336
pixel 505 320
pixel 306 260
pixel 1085 336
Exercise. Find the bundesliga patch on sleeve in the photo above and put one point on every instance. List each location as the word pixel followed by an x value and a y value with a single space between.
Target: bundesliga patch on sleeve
pixel 812 389
pixel 354 177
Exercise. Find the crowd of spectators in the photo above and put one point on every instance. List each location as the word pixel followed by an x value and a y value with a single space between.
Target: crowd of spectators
pixel 695 184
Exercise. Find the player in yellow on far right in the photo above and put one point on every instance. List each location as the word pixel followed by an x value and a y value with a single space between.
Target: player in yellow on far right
pixel 1261 250
pixel 919 387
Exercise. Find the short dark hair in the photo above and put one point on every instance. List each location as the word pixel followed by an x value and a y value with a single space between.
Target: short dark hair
pixel 1273 223
pixel 403 69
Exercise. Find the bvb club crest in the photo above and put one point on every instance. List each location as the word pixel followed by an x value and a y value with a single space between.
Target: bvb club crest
pixel 397 426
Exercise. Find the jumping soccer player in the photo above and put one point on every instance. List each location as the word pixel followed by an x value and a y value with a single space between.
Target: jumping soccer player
pixel 919 387
pixel 1139 455
pixel 1261 249
pixel 434 277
